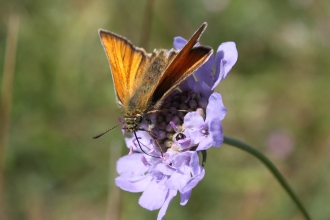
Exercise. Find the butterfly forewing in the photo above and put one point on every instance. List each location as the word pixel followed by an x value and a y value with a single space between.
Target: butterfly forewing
pixel 127 64
pixel 188 60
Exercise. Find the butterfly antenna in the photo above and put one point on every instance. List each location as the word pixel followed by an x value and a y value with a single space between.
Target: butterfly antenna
pixel 99 135
pixel 164 110
pixel 141 147
pixel 155 138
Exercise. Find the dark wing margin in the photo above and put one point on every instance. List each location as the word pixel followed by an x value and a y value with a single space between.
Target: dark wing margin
pixel 187 61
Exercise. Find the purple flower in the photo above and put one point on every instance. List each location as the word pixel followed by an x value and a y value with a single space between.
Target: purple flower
pixel 208 132
pixel 167 163
pixel 159 181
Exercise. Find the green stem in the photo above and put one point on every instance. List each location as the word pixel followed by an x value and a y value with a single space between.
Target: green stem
pixel 238 144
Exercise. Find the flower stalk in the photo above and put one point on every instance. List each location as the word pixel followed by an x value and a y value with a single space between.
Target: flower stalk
pixel 247 148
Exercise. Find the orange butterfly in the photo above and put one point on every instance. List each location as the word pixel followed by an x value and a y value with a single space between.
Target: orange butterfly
pixel 142 81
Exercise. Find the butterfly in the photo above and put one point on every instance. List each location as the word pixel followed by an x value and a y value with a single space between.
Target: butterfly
pixel 142 81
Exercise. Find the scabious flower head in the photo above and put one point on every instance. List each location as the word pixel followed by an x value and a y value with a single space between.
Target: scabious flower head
pixel 190 124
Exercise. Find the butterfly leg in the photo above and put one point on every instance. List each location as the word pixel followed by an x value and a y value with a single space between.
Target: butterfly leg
pixel 154 137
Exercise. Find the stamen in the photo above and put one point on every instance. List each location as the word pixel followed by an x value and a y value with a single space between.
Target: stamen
pixel 175 128
pixel 204 131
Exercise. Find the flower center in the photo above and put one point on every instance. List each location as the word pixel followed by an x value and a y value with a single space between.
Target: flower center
pixel 169 119
pixel 204 131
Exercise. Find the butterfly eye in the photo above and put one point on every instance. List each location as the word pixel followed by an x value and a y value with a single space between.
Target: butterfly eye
pixel 138 119
pixel 180 136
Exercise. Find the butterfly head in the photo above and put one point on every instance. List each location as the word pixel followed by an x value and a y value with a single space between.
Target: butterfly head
pixel 132 121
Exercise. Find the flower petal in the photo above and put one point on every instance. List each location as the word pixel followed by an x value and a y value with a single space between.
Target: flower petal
pixel 181 159
pixel 164 169
pixel 184 197
pixel 202 88
pixel 193 120
pixel 144 142
pixel 195 135
pixel 204 73
pixel 184 144
pixel 179 43
pixel 131 165
pixel 225 59
pixel 171 194
pixel 137 184
pixel 215 108
pixel 154 195
pixel 193 182
pixel 216 132
pixel 205 143
pixel 177 180
pixel 194 164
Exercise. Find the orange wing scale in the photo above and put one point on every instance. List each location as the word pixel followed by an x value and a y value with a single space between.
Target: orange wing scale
pixel 126 64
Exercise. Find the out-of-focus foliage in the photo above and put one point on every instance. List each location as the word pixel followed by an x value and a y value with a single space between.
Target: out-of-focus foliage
pixel 277 97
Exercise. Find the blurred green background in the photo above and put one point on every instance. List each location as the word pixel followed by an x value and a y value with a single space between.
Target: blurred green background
pixel 277 96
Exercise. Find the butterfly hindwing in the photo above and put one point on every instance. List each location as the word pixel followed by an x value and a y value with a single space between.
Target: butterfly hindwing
pixel 188 60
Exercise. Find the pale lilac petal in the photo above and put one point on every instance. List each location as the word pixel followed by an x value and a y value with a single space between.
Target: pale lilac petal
pixel 181 159
pixel 205 143
pixel 179 43
pixel 202 88
pixel 177 181
pixel 195 135
pixel 194 126
pixel 138 184
pixel 193 182
pixel 131 165
pixel 194 164
pixel 204 73
pixel 164 169
pixel 216 132
pixel 184 197
pixel 193 120
pixel 184 143
pixel 220 71
pixel 153 196
pixel 171 194
pixel 225 59
pixel 215 108
pixel 144 140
